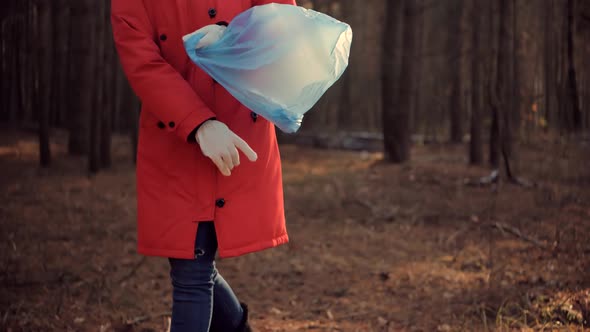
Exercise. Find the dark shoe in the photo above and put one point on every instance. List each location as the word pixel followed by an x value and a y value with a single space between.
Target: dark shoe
pixel 244 326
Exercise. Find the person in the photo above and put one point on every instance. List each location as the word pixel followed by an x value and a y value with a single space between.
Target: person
pixel 196 195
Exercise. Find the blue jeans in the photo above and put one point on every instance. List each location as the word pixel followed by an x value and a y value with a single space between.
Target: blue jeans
pixel 202 299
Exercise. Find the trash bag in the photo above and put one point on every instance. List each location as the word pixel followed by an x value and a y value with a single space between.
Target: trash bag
pixel 277 60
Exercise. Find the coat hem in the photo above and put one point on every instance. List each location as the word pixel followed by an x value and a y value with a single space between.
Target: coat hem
pixel 183 254
pixel 189 254
pixel 258 246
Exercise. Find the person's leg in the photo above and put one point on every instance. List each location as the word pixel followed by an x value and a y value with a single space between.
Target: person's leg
pixel 193 284
pixel 228 313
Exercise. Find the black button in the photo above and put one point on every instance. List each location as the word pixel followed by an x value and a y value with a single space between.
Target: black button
pixel 171 124
pixel 214 81
pixel 254 116
pixel 220 203
pixel 212 12
pixel 222 23
pixel 161 125
pixel 163 37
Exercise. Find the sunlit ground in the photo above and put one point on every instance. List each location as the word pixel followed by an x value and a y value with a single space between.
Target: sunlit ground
pixel 374 247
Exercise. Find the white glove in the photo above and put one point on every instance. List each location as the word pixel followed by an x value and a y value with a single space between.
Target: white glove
pixel 212 33
pixel 221 145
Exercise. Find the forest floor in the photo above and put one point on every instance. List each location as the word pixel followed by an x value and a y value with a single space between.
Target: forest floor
pixel 374 246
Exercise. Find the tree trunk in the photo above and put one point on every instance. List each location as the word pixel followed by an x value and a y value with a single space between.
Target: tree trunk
pixel 82 68
pixel 492 93
pixel 549 63
pixel 512 123
pixel 9 58
pixel 98 105
pixel 475 143
pixel 504 84
pixel 60 90
pixel 26 72
pixel 417 112
pixel 455 50
pixel 108 92
pixel 572 84
pixel 361 98
pixel 396 115
pixel 43 87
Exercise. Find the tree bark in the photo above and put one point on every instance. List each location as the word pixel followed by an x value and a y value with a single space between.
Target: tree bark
pixel 572 84
pixel 475 143
pixel 108 92
pixel 549 63
pixel 98 105
pixel 396 115
pixel 455 50
pixel 504 84
pixel 493 98
pixel 27 62
pixel 82 68
pixel 60 90
pixel 43 87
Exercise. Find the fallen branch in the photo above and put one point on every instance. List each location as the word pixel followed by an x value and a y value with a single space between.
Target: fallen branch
pixel 133 270
pixel 516 232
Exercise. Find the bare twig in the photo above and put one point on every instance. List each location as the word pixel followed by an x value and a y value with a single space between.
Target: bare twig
pixel 133 270
pixel 516 232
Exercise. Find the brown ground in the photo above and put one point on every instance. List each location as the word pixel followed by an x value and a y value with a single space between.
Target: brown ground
pixel 374 247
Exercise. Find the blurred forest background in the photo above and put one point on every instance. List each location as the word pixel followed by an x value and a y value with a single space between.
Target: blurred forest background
pixel 404 209
pixel 488 72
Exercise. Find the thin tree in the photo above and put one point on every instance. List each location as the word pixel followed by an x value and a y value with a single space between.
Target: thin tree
pixel 396 113
pixel 573 101
pixel 504 87
pixel 60 84
pixel 549 61
pixel 82 71
pixel 98 104
pixel 455 50
pixel 109 70
pixel 475 143
pixel 44 73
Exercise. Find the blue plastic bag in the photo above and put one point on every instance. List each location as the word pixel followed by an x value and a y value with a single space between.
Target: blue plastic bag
pixel 277 60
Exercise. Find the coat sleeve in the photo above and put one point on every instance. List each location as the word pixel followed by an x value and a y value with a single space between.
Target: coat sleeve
pixel 157 84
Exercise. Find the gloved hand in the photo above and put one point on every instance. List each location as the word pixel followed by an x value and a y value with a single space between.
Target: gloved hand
pixel 221 145
pixel 212 33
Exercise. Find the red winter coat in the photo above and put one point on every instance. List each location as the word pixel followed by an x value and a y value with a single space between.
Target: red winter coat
pixel 177 186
